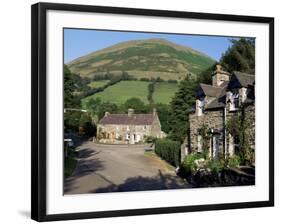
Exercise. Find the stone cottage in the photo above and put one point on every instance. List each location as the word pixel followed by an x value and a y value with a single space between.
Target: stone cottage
pixel 215 105
pixel 128 128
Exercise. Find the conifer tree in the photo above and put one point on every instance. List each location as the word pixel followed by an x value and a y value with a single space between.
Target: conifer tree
pixel 240 56
pixel 181 105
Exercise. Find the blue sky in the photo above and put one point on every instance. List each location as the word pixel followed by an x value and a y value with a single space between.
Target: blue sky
pixel 79 42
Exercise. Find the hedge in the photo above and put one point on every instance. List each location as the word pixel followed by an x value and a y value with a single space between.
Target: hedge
pixel 169 150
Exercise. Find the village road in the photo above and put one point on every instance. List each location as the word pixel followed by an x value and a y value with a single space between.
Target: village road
pixel 111 168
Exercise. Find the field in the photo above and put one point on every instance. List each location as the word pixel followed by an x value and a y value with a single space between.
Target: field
pixel 97 84
pixel 122 91
pixel 164 92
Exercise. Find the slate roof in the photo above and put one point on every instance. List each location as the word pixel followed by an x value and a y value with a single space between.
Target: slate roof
pixel 124 119
pixel 244 79
pixel 209 90
pixel 217 94
pixel 214 104
pixel 219 101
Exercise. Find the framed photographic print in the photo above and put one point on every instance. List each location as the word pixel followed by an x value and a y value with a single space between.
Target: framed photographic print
pixel 138 111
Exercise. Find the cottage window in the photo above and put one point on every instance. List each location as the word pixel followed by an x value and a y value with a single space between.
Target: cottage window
pixel 200 106
pixel 234 101
pixel 199 143
pixel 127 136
pixel 144 127
pixel 128 128
pixel 236 144
pixel 244 92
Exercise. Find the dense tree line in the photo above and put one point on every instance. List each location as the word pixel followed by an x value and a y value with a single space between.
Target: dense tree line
pixel 240 56
pixel 151 88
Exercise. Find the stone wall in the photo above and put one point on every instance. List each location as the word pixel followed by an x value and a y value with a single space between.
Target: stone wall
pixel 212 119
pixel 250 119
pixel 249 111
pixel 118 133
pixel 112 133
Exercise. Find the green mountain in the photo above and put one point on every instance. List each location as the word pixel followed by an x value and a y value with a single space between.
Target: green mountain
pixel 143 59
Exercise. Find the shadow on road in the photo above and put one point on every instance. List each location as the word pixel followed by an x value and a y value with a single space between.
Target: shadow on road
pixel 87 164
pixel 139 183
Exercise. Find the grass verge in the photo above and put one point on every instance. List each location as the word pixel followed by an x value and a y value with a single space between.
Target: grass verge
pixel 153 156
pixel 69 165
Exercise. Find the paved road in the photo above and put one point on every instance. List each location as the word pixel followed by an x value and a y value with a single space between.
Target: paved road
pixel 109 168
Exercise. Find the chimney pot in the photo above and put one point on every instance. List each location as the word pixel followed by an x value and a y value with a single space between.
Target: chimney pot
pixel 218 67
pixel 130 112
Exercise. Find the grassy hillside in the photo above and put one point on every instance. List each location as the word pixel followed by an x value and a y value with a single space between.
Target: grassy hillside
pixel 164 92
pixel 143 58
pixel 123 91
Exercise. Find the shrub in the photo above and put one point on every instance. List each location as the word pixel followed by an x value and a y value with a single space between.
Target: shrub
pixel 188 164
pixel 215 166
pixel 234 161
pixel 149 139
pixel 168 150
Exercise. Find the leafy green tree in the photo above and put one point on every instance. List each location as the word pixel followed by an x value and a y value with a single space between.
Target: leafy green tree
pixel 206 75
pixel 72 121
pixel 181 105
pixel 240 56
pixel 98 108
pixel 69 87
pixel 72 83
pixel 151 88
pixel 136 104
pixel 87 124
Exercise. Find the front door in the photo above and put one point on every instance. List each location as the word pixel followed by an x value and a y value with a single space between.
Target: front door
pixel 215 146
pixel 132 138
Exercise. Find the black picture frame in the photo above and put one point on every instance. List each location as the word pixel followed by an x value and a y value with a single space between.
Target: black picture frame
pixel 39 115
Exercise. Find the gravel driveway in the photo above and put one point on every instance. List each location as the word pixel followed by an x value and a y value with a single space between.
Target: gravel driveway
pixel 111 168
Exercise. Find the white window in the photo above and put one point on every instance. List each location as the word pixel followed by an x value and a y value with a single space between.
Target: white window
pixel 127 136
pixel 233 101
pixel 199 143
pixel 128 128
pixel 243 94
pixel 215 147
pixel 200 106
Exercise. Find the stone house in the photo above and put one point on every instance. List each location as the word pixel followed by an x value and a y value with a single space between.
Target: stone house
pixel 215 105
pixel 128 128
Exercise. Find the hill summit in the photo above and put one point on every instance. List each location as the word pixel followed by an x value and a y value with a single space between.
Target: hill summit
pixel 143 59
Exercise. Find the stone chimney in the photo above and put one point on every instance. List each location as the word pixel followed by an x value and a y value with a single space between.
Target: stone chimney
pixel 220 76
pixel 130 112
pixel 218 68
pixel 154 112
pixel 106 114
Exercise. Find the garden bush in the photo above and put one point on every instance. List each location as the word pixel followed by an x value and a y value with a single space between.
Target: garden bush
pixel 234 161
pixel 168 150
pixel 188 164
pixel 215 166
pixel 149 139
